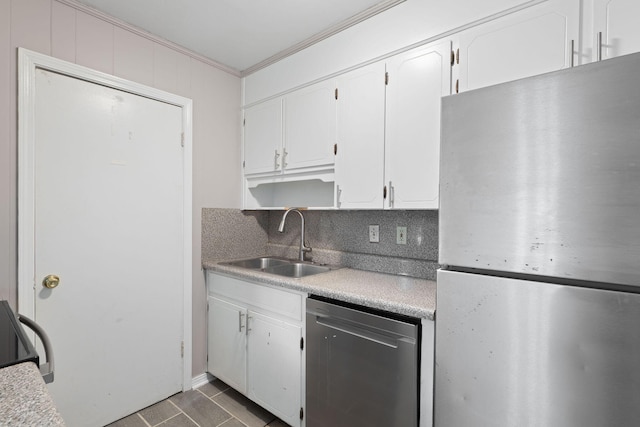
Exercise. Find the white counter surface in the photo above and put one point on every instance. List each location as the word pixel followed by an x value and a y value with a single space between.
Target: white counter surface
pixel 397 294
pixel 24 398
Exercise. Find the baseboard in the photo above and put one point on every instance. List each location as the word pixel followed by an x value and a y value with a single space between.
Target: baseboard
pixel 201 380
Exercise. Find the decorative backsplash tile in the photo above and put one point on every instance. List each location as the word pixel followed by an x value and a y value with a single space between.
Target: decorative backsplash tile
pixel 336 237
pixel 233 234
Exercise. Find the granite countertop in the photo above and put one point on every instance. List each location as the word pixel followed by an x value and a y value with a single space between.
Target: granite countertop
pixel 394 293
pixel 24 398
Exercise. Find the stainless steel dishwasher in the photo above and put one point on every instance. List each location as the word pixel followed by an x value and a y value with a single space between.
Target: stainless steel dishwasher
pixel 363 366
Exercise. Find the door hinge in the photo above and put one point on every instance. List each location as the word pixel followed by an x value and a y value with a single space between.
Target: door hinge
pixel 384 192
pixel 302 343
pixel 243 164
pixel 182 139
pixel 207 305
pixel 386 78
pixel 301 413
pixel 335 149
pixel 244 122
pixel 182 349
pixel 336 93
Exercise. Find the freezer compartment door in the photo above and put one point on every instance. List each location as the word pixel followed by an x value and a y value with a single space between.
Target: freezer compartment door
pixel 542 175
pixel 519 353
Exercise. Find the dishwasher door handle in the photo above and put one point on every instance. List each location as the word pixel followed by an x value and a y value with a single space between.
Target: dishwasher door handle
pixel 357 330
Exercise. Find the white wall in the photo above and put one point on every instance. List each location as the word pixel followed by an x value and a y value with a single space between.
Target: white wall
pixel 60 30
pixel 405 24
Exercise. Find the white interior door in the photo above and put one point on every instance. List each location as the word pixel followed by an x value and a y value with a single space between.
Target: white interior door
pixel 109 221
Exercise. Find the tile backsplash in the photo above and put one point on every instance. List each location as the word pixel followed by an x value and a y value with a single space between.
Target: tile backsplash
pixel 336 237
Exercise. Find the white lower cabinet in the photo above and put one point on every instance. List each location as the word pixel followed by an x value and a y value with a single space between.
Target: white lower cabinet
pixel 274 365
pixel 255 343
pixel 227 343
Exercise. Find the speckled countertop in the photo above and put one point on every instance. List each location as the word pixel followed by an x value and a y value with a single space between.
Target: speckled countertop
pixel 394 293
pixel 24 398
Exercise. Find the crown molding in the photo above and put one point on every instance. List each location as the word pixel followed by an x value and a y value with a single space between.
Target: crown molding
pixel 335 29
pixel 150 36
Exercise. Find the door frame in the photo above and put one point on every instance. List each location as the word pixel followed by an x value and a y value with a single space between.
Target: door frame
pixel 28 63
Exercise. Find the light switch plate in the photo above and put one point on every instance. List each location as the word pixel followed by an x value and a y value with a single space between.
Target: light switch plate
pixel 374 233
pixel 401 235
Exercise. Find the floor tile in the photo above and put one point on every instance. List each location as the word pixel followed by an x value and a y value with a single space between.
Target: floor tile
pixel 180 420
pixel 277 423
pixel 233 422
pixel 244 409
pixel 213 388
pixel 130 421
pixel 200 408
pixel 159 412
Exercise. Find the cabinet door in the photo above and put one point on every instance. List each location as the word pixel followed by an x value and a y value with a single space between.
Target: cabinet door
pixel 227 343
pixel 310 126
pixel 617 21
pixel 360 156
pixel 263 137
pixel 533 41
pixel 417 81
pixel 274 366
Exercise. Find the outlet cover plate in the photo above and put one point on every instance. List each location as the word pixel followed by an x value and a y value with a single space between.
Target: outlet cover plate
pixel 374 233
pixel 401 235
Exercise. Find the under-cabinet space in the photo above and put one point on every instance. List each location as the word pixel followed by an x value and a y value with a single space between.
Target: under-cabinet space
pixel 277 195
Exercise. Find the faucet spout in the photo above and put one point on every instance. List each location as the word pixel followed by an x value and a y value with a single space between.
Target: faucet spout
pixel 303 247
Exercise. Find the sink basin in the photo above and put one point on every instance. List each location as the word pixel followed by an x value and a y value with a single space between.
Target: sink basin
pixel 280 266
pixel 258 263
pixel 297 269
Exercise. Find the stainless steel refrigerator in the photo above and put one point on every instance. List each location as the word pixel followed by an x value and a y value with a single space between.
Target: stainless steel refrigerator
pixel 538 301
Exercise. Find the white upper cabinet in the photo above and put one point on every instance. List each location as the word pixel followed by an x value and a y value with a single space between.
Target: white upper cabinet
pixel 417 80
pixel 360 138
pixel 536 40
pixel 290 133
pixel 616 29
pixel 310 126
pixel 263 138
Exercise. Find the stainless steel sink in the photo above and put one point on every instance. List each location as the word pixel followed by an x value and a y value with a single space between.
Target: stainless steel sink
pixel 280 266
pixel 258 263
pixel 297 269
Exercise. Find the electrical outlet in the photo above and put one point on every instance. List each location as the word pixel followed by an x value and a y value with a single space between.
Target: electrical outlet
pixel 401 235
pixel 374 233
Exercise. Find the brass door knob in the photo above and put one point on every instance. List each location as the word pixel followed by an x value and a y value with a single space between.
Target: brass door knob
pixel 51 281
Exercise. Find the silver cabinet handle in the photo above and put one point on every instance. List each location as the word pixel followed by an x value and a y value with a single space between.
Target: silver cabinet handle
pixel 240 325
pixel 284 158
pixel 248 328
pixel 47 369
pixel 573 51
pixel 391 194
pixel 338 194
pixel 275 160
pixel 599 47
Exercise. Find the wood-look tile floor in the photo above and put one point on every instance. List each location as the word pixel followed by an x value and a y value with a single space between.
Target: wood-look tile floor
pixel 212 405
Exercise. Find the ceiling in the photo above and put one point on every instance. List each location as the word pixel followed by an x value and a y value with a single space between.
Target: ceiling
pixel 244 35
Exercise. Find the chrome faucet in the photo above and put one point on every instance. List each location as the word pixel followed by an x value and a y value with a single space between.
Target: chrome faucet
pixel 303 248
